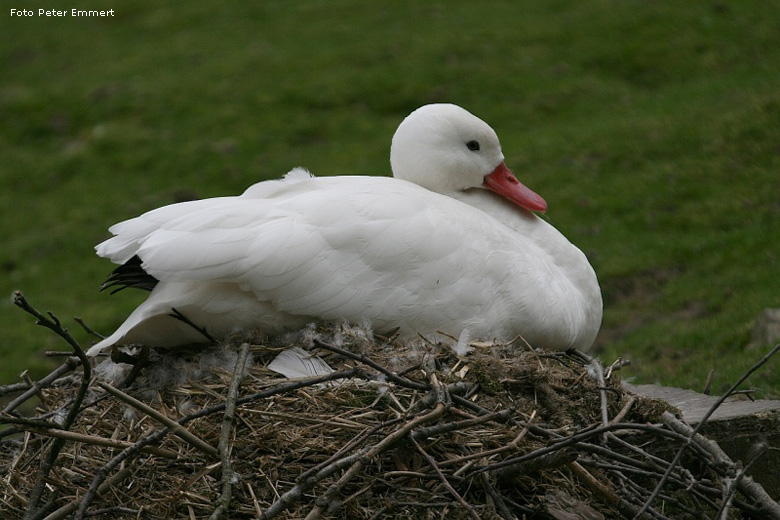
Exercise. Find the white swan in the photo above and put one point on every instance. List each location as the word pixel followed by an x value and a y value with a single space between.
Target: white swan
pixel 450 244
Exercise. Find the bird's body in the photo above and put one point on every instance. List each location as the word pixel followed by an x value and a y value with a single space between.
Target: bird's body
pixel 386 251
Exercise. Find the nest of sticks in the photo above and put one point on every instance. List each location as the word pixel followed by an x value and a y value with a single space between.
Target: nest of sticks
pixel 395 431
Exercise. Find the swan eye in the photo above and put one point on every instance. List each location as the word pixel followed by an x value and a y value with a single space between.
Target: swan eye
pixel 473 146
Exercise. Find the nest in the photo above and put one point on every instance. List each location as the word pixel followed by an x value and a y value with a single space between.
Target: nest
pixel 396 431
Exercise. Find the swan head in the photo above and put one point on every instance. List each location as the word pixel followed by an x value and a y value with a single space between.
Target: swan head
pixel 446 149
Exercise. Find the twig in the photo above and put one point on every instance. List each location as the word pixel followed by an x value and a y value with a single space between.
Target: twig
pixel 624 411
pixel 391 376
pixel 618 364
pixel 228 475
pixel 430 431
pixel 734 485
pixel 487 453
pixel 276 390
pixel 87 328
pixel 178 430
pixel 356 463
pixel 606 494
pixel 575 439
pixel 336 422
pixel 112 511
pixel 27 379
pixel 690 485
pixel 603 491
pixel 704 419
pixel 53 323
pixel 30 423
pixel 432 463
pixel 553 459
pixel 57 353
pixel 99 441
pixel 746 485
pixel 653 466
pixel 449 392
pixel 69 366
pixel 70 507
pixel 304 485
pixel 747 392
pixel 100 476
pixel 649 459
pixel 498 500
pixel 156 436
pixel 249 488
pixel 15 387
pixel 348 447
pixel 708 382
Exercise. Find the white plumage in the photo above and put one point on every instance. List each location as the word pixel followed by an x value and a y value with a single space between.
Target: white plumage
pixel 444 246
pixel 295 363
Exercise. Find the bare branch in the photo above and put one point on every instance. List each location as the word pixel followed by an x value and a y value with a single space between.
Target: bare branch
pixel 433 464
pixel 745 483
pixel 228 475
pixel 53 323
pixel 703 421
pixel 175 427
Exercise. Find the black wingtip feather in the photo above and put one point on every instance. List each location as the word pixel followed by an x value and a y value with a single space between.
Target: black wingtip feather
pixel 129 274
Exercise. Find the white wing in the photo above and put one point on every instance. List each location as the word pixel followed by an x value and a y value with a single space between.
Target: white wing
pixel 130 234
pixel 329 248
pixel 353 248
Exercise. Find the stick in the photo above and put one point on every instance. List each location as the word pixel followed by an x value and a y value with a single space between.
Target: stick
pixel 304 485
pixel 487 453
pixel 87 328
pixel 606 494
pixel 69 366
pixel 159 434
pixel 355 463
pixel 576 438
pixel 746 485
pixel 30 423
pixel 99 441
pixel 498 500
pixel 70 507
pixel 53 323
pixel 15 387
pixel 430 431
pixel 100 477
pixel 432 463
pixel 178 430
pixel 346 448
pixel 391 376
pixel 228 475
pixel 704 419
pixel 734 484
pixel 624 411
pixel 276 390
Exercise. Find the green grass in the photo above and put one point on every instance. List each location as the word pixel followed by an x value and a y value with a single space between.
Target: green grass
pixel 651 128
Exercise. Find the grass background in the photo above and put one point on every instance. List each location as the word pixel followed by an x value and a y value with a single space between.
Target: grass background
pixel 651 128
